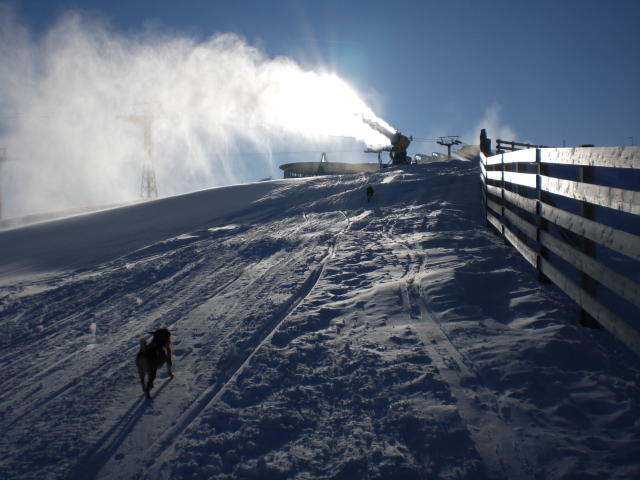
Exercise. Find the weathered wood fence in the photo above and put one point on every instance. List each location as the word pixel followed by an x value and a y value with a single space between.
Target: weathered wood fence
pixel 518 196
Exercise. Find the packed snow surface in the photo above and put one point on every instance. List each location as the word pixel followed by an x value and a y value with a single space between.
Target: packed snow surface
pixel 315 336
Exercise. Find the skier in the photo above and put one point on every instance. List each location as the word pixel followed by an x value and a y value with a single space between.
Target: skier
pixel 369 193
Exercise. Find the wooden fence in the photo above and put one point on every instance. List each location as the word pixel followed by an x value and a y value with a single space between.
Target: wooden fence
pixel 503 146
pixel 518 195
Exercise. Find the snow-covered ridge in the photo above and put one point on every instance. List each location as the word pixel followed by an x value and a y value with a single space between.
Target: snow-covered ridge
pixel 86 239
pixel 316 336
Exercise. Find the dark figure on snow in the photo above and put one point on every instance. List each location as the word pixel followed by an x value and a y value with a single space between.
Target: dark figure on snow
pixel 485 143
pixel 369 193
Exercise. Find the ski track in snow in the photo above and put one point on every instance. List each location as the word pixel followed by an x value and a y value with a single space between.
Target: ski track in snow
pixel 315 336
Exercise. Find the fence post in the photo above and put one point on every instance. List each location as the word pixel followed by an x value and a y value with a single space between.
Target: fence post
pixel 483 168
pixel 522 191
pixel 543 224
pixel 588 211
pixel 503 202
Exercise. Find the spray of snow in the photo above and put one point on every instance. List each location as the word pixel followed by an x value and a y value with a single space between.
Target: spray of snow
pixel 494 126
pixel 64 97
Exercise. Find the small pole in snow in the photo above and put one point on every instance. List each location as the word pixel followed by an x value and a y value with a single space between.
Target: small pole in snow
pixel 3 159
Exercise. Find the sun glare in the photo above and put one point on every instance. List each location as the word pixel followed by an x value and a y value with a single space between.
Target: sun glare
pixel 315 104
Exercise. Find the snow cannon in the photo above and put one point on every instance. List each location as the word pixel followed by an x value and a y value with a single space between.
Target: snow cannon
pixel 399 144
pixel 399 152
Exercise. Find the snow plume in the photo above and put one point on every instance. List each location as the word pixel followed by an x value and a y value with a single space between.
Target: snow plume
pixel 227 109
pixel 492 123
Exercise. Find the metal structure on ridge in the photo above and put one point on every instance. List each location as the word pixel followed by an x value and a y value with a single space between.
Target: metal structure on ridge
pixel 146 116
pixel 448 142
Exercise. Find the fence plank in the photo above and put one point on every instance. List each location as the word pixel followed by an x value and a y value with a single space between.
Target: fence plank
pixel 616 325
pixel 616 198
pixel 495 207
pixel 494 221
pixel 521 223
pixel 617 240
pixel 484 200
pixel 494 175
pixel 524 179
pixel 614 281
pixel 618 157
pixel 525 251
pixel 520 156
pixel 494 160
pixel 528 204
pixel 497 191
pixel 483 171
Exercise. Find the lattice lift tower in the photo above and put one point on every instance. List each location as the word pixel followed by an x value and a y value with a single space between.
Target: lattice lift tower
pixel 148 189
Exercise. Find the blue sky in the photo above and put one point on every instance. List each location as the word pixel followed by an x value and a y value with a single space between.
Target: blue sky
pixel 547 72
pixel 557 70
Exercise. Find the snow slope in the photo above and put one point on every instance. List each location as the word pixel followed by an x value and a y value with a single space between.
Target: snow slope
pixel 316 336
